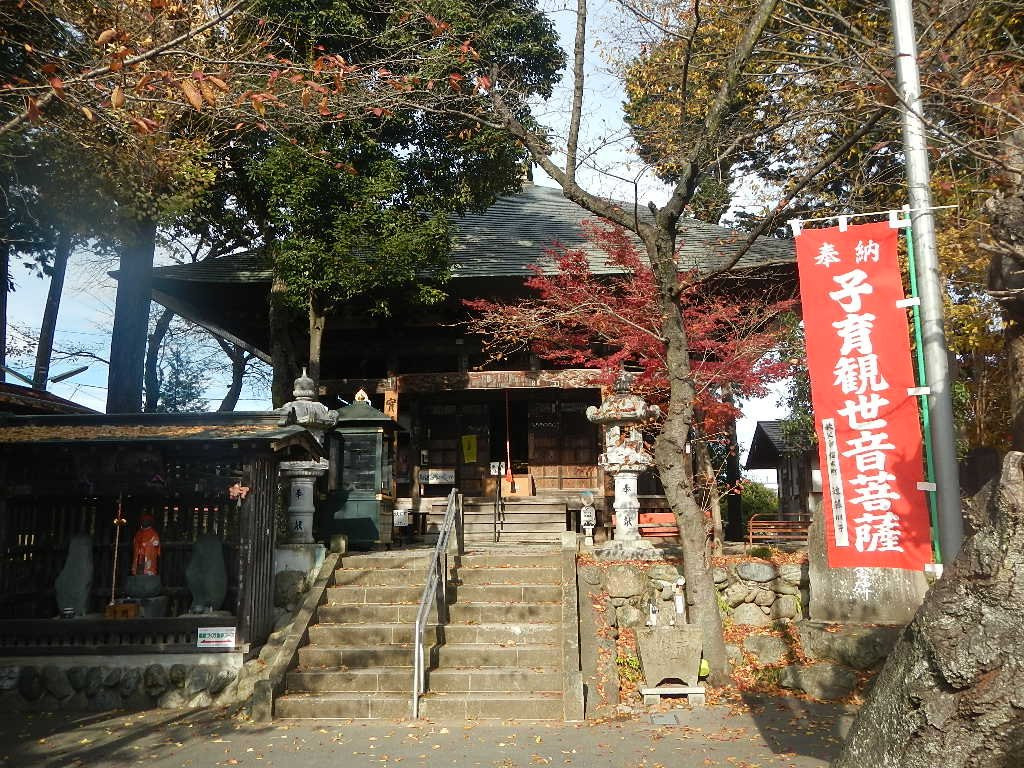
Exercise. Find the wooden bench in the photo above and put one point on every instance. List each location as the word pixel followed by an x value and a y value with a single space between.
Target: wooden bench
pixel 768 530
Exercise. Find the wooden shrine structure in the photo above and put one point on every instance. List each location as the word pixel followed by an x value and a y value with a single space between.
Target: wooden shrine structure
pixel 69 475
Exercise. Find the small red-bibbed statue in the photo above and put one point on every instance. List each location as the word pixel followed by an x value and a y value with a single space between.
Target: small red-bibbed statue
pixel 146 548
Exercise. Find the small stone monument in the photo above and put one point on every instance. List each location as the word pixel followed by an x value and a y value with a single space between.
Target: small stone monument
pixel 206 575
pixel 670 657
pixel 74 582
pixel 625 458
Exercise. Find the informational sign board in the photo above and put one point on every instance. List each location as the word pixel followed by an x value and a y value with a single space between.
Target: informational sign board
pixel 869 435
pixel 401 517
pixel 588 516
pixel 437 476
pixel 497 468
pixel 215 637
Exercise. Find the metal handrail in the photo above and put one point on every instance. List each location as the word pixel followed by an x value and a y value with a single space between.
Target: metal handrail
pixel 499 509
pixel 437 575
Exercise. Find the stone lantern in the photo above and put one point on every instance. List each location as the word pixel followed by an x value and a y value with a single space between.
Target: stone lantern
pixel 625 456
pixel 307 411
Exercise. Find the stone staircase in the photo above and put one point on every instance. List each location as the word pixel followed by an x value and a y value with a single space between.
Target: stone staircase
pixel 527 519
pixel 499 657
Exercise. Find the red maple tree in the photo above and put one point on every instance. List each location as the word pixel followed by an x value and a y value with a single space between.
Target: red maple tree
pixel 611 319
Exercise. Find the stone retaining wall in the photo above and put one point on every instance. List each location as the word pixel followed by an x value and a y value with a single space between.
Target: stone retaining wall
pixel 104 687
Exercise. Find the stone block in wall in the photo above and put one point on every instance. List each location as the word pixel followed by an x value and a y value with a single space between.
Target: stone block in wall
pixel 624 581
pixel 30 683
pixel 768 648
pixel 822 681
pixel 751 615
pixel 56 681
pixel 756 571
pixel 155 680
pixel 860 647
pixel 735 594
pixel 786 607
pixel 629 616
pixel 177 675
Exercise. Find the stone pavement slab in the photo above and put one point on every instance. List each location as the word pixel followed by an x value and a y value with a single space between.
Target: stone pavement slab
pixel 765 733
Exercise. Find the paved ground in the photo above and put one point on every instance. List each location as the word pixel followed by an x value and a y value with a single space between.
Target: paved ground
pixel 770 733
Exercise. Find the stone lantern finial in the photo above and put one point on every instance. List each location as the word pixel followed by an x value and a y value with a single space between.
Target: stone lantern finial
pixel 304 387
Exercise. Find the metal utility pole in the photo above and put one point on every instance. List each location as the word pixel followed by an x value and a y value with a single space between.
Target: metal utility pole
pixel 930 282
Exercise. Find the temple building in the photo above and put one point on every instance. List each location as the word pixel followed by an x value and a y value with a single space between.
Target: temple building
pixel 459 412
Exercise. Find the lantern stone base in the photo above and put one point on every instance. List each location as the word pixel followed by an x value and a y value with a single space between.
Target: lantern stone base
pixel 298 557
pixel 628 550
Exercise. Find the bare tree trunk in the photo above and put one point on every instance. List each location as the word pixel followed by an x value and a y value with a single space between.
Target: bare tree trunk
pixel 131 319
pixel 317 322
pixel 239 359
pixel 281 351
pixel 152 377
pixel 44 352
pixel 949 693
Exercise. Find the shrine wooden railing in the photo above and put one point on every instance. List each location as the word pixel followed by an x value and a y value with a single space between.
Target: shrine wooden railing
pixel 45 637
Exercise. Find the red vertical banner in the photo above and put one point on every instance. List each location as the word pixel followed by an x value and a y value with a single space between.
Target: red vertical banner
pixel 869 435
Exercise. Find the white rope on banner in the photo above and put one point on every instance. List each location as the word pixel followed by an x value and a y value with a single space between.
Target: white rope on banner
pixel 844 218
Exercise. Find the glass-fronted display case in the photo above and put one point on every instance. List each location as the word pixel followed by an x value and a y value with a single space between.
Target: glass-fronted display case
pixel 361 486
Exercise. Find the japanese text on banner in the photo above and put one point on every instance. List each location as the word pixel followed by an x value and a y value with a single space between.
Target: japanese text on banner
pixel 869 436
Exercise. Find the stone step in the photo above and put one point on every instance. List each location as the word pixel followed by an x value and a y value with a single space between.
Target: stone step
pixel 511 593
pixel 388 679
pixel 356 705
pixel 369 613
pixel 494 612
pixel 470 575
pixel 525 656
pixel 410 560
pixel 373 635
pixel 515 527
pixel 330 657
pixel 498 556
pixel 359 594
pixel 473 679
pixel 368 635
pixel 506 634
pixel 384 577
pixel 492 706
pixel 512 514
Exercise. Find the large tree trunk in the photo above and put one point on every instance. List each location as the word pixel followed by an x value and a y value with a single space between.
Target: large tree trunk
pixel 44 351
pixel 950 692
pixel 317 323
pixel 734 528
pixel 710 497
pixel 1006 274
pixel 281 350
pixel 674 465
pixel 151 379
pixel 131 319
